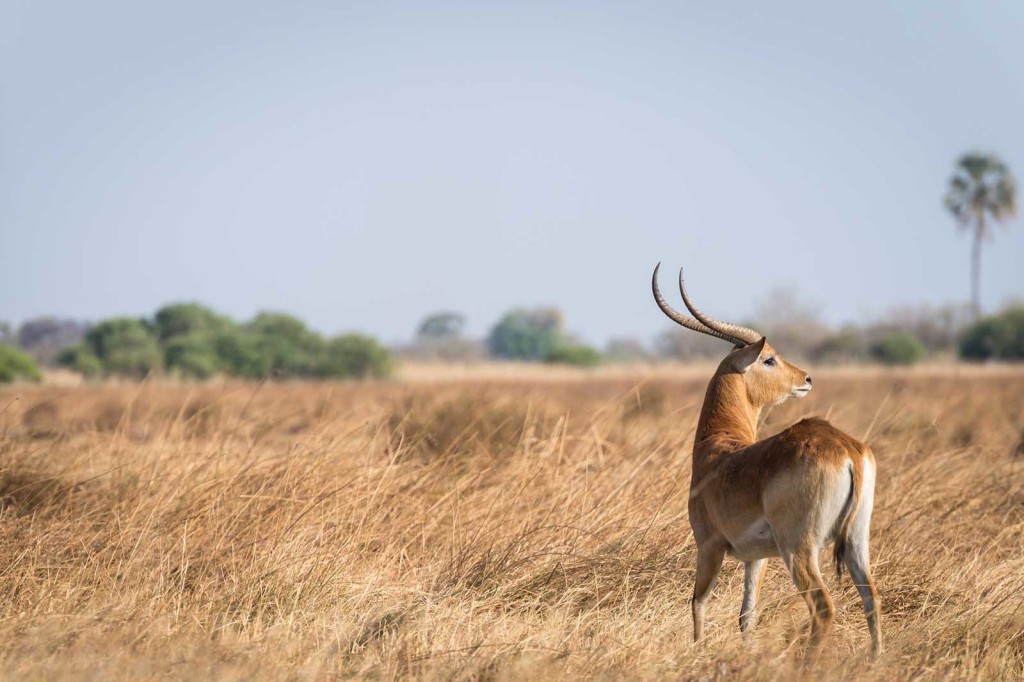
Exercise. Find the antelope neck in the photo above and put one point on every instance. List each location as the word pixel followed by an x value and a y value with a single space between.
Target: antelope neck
pixel 728 419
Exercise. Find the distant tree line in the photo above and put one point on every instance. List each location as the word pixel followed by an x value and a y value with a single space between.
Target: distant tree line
pixel 192 341
pixel 536 335
pixel 903 336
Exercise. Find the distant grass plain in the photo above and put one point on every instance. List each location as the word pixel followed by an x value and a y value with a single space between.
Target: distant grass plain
pixel 499 522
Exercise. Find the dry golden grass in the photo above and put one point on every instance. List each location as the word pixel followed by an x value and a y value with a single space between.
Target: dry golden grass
pixel 476 529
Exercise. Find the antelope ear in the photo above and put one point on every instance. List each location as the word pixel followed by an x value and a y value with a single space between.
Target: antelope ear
pixel 743 358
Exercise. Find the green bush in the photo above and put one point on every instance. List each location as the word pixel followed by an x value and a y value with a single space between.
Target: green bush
pixel 17 365
pixel 192 355
pixel 897 348
pixel 999 337
pixel 187 319
pixel 581 356
pixel 239 355
pixel 282 343
pixel 80 359
pixel 355 356
pixel 526 334
pixel 124 346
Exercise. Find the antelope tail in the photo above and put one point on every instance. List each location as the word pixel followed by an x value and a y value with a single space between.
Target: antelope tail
pixel 856 469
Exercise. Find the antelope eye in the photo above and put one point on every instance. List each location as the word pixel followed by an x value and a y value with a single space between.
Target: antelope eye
pixel 769 362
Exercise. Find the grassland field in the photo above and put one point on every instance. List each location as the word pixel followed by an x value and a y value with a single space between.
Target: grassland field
pixel 510 524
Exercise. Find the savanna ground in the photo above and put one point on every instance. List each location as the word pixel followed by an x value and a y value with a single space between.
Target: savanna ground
pixel 510 527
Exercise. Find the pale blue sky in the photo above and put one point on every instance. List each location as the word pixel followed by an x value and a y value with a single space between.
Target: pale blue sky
pixel 363 164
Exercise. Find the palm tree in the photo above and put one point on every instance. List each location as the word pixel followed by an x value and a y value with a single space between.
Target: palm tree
pixel 981 186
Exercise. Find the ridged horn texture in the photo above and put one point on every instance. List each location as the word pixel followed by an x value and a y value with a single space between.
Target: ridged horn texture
pixel 686 320
pixel 743 336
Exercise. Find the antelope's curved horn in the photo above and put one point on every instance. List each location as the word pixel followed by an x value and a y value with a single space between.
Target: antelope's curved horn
pixel 679 318
pixel 743 336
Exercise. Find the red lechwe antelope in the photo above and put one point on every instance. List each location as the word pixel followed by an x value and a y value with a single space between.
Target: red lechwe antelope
pixel 789 495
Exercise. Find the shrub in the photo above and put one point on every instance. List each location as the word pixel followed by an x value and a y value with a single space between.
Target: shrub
pixel 581 356
pixel 897 348
pixel 80 359
pixel 183 319
pixel 526 334
pixel 999 337
pixel 17 365
pixel 192 355
pixel 239 355
pixel 283 343
pixel 355 356
pixel 125 346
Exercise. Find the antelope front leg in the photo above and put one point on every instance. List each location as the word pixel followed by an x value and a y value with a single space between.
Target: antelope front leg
pixel 709 563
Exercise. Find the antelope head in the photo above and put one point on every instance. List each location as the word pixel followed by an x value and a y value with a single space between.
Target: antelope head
pixel 768 377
